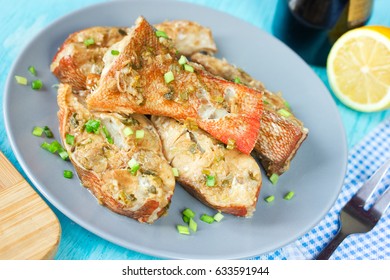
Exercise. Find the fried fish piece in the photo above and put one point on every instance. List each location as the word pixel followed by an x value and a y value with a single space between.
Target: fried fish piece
pixel 147 77
pixel 128 175
pixel 82 52
pixel 281 133
pixel 226 180
pixel 189 37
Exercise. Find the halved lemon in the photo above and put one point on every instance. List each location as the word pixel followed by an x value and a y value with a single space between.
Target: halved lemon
pixel 358 68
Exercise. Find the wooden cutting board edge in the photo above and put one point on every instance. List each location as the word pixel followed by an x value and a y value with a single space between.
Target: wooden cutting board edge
pixel 29 229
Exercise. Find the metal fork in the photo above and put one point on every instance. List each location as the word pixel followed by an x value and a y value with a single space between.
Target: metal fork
pixel 354 218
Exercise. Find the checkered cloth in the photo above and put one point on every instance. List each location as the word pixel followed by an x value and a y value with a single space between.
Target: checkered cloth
pixel 364 159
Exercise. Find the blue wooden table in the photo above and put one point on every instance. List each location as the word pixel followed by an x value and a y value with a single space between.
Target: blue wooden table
pixel 21 19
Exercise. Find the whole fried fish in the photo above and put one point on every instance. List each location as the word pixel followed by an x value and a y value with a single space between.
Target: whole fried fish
pixel 143 74
pixel 127 174
pixel 281 133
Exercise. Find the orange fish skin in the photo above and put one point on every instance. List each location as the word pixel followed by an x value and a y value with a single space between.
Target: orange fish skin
pixel 133 82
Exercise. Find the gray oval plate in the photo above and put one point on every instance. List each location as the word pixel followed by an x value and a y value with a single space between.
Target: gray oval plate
pixel 316 173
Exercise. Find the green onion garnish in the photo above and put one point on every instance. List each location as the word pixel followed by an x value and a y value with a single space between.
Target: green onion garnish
pixel 128 131
pixel 37 131
pixel 287 105
pixel 68 174
pixel 284 113
pixel 188 68
pixel 168 77
pixel 237 80
pixel 289 195
pixel 32 70
pixel 36 84
pixel 189 213
pixel 69 139
pixel 231 144
pixel 175 172
pixel 207 219
pixel 89 42
pixel 186 219
pixel 114 52
pixel 92 126
pixel 269 199
pixel 45 146
pixel 193 225
pixel 162 34
pixel 54 146
pixel 48 132
pixel 63 154
pixel 139 134
pixel 274 178
pixel 134 166
pixel 182 60
pixel 183 229
pixel 107 134
pixel 218 217
pixel 21 80
pixel 210 182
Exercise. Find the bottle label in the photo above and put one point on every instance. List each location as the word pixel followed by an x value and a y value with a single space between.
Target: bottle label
pixel 358 12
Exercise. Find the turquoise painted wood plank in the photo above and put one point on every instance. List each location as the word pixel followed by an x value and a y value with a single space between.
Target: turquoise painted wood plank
pixel 22 19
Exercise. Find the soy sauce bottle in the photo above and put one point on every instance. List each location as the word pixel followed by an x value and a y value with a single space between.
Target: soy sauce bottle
pixel 310 27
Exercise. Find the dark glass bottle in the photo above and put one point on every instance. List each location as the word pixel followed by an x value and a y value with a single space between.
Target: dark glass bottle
pixel 310 27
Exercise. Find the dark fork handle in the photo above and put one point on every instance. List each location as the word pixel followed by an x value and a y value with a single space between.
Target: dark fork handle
pixel 332 246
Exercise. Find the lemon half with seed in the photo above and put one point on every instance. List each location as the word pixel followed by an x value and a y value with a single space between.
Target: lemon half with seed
pixel 358 68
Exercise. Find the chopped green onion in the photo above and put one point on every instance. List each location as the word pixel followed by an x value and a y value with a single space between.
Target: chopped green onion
pixel 207 219
pixel 218 217
pixel 92 126
pixel 175 172
pixel 37 131
pixel 134 166
pixel 182 60
pixel 21 80
pixel 287 105
pixel 89 42
pixel 69 139
pixel 162 34
pixel 63 154
pixel 237 80
pixel 289 195
pixel 32 70
pixel 139 134
pixel 36 84
pixel 48 132
pixel 186 219
pixel 54 146
pixel 128 131
pixel 168 77
pixel 45 146
pixel 68 174
pixel 231 144
pixel 210 182
pixel 114 52
pixel 193 225
pixel 183 229
pixel 189 213
pixel 188 68
pixel 284 113
pixel 274 178
pixel 269 199
pixel 107 134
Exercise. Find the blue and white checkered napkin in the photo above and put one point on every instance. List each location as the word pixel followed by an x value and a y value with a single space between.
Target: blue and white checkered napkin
pixel 364 159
